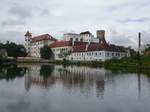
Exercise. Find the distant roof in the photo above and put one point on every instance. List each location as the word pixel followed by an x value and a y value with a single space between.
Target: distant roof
pixel 43 37
pixel 71 34
pixel 60 44
pixel 86 32
pixel 117 48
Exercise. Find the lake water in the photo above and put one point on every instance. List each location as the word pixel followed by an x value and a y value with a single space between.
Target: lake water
pixel 49 88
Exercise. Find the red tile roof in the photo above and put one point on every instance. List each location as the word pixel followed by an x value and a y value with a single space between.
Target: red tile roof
pixel 76 43
pixel 80 48
pixel 98 47
pixel 60 44
pixel 43 37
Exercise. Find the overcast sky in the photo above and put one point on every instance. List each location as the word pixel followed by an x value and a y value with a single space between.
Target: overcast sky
pixel 122 19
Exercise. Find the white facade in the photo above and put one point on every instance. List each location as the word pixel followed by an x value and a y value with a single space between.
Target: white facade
pixel 96 55
pixel 85 55
pixel 36 46
pixel 69 36
pixel 80 37
pixel 59 51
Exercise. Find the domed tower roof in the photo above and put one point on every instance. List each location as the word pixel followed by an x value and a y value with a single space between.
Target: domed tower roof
pixel 28 34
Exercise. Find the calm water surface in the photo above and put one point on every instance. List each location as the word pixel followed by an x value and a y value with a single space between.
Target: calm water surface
pixel 49 88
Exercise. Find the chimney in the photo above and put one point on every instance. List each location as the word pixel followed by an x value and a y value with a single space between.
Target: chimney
pixel 139 44
pixel 101 36
pixel 139 39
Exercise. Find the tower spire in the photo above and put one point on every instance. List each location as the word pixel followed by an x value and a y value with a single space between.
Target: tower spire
pixel 28 34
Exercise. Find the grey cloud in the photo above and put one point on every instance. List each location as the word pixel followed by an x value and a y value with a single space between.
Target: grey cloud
pixel 12 22
pixel 45 12
pixel 14 36
pixel 121 39
pixel 19 11
pixel 145 37
pixel 143 19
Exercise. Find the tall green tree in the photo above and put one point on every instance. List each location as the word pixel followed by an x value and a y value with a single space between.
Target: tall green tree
pixel 46 53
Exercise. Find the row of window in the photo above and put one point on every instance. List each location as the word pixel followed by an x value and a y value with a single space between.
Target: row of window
pixel 88 54
pixel 96 54
pixel 85 59
pixel 60 49
pixel 37 43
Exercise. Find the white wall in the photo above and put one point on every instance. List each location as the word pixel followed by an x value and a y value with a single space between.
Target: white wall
pixel 96 55
pixel 83 37
pixel 36 46
pixel 58 50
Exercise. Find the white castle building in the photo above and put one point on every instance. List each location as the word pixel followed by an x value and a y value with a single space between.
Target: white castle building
pixel 34 44
pixel 85 47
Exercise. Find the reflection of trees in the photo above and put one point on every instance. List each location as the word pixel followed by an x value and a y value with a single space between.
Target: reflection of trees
pixel 11 73
pixel 46 71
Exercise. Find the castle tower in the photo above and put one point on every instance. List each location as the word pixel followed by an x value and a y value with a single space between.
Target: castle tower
pixel 28 37
pixel 101 36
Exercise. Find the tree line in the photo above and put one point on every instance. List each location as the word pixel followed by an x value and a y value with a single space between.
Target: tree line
pixel 14 50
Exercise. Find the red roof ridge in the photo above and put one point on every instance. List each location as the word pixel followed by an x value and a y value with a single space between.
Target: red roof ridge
pixel 43 37
pixel 60 44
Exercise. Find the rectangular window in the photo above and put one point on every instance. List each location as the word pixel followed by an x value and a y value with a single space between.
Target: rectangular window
pixel 112 54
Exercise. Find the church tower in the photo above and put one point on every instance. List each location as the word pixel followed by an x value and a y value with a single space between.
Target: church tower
pixel 101 36
pixel 28 37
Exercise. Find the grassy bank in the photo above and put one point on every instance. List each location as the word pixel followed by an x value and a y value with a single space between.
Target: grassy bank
pixel 131 62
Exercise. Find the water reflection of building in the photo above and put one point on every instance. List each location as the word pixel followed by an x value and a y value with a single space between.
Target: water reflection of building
pixel 37 77
pixel 74 78
pixel 84 78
